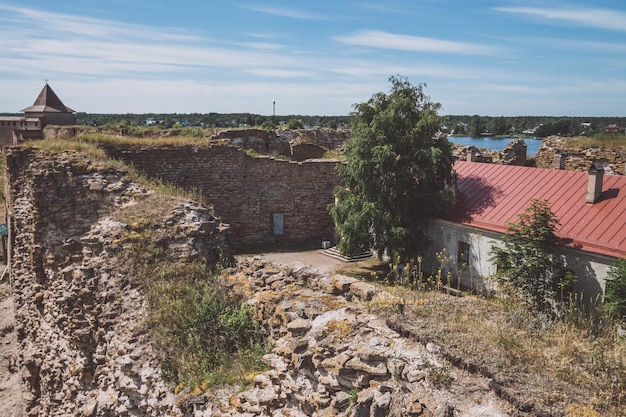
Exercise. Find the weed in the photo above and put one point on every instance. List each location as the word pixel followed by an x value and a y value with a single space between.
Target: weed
pixel 334 154
pixel 575 410
pixel 438 376
pixel 354 395
pixel 342 327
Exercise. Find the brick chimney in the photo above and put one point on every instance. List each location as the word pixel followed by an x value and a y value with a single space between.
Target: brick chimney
pixel 470 156
pixel 559 159
pixel 594 184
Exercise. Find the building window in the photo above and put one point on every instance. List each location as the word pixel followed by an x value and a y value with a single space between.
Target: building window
pixel 278 223
pixel 463 255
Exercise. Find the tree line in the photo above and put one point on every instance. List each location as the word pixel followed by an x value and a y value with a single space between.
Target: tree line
pixel 470 125
pixel 539 126
pixel 208 120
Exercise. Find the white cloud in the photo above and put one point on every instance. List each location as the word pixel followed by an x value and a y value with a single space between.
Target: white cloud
pixel 265 46
pixel 104 66
pixel 278 73
pixel 591 17
pixel 385 40
pixel 284 12
pixel 25 21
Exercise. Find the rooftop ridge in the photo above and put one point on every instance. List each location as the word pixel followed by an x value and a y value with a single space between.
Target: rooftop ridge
pixel 48 101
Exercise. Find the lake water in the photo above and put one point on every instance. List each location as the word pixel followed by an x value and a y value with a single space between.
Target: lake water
pixel 496 144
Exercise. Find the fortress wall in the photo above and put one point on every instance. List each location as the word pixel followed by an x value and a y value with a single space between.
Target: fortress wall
pixel 84 346
pixel 579 158
pixel 246 192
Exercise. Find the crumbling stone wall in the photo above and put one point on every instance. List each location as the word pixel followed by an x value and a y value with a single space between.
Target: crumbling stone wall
pixel 262 141
pixel 578 158
pixel 333 356
pixel 513 154
pixel 80 319
pixel 298 145
pixel 246 191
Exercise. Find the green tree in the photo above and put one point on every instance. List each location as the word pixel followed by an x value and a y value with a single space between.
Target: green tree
pixel 499 126
pixel 615 293
pixel 295 124
pixel 269 124
pixel 476 125
pixel 527 261
pixel 398 173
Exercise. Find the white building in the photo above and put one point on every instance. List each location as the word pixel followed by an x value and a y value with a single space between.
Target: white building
pixel 590 207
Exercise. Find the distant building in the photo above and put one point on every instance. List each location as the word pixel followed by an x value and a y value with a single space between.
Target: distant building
pixel 47 109
pixel 14 128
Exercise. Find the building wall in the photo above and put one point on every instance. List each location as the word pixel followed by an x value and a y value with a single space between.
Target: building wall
pixel 246 192
pixel 6 136
pixel 62 119
pixel 9 124
pixel 590 269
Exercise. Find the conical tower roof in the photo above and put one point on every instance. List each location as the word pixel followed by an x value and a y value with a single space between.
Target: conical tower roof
pixel 48 102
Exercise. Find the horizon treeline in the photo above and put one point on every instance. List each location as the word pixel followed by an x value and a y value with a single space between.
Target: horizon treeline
pixel 470 125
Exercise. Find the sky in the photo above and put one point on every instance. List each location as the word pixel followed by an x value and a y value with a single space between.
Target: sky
pixel 491 58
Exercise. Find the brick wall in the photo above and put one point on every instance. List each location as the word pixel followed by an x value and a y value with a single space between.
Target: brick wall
pixel 246 191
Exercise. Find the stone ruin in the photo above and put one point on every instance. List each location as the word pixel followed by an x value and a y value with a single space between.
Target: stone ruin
pixel 85 349
pixel 297 145
pixel 562 153
pixel 513 154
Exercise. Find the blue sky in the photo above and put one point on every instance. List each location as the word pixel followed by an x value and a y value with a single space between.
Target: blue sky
pixel 492 58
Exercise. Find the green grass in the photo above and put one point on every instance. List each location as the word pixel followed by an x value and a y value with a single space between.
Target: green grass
pixel 206 337
pixel 204 333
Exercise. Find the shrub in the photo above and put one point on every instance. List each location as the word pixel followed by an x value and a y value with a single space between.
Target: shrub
pixel 203 332
pixel 199 330
pixel 615 294
pixel 527 263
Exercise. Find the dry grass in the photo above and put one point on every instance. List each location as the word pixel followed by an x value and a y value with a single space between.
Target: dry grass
pixel 96 138
pixel 601 141
pixel 64 145
pixel 90 148
pixel 564 368
pixel 343 328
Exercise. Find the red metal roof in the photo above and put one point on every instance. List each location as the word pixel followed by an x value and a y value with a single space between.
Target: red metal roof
pixel 490 196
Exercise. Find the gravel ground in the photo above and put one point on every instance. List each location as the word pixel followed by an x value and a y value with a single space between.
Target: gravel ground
pixel 315 259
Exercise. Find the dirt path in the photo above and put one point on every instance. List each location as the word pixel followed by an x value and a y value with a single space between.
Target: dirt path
pixel 314 259
pixel 11 403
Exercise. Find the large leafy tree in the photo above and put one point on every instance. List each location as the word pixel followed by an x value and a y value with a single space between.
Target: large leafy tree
pixel 398 173
pixel 527 261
